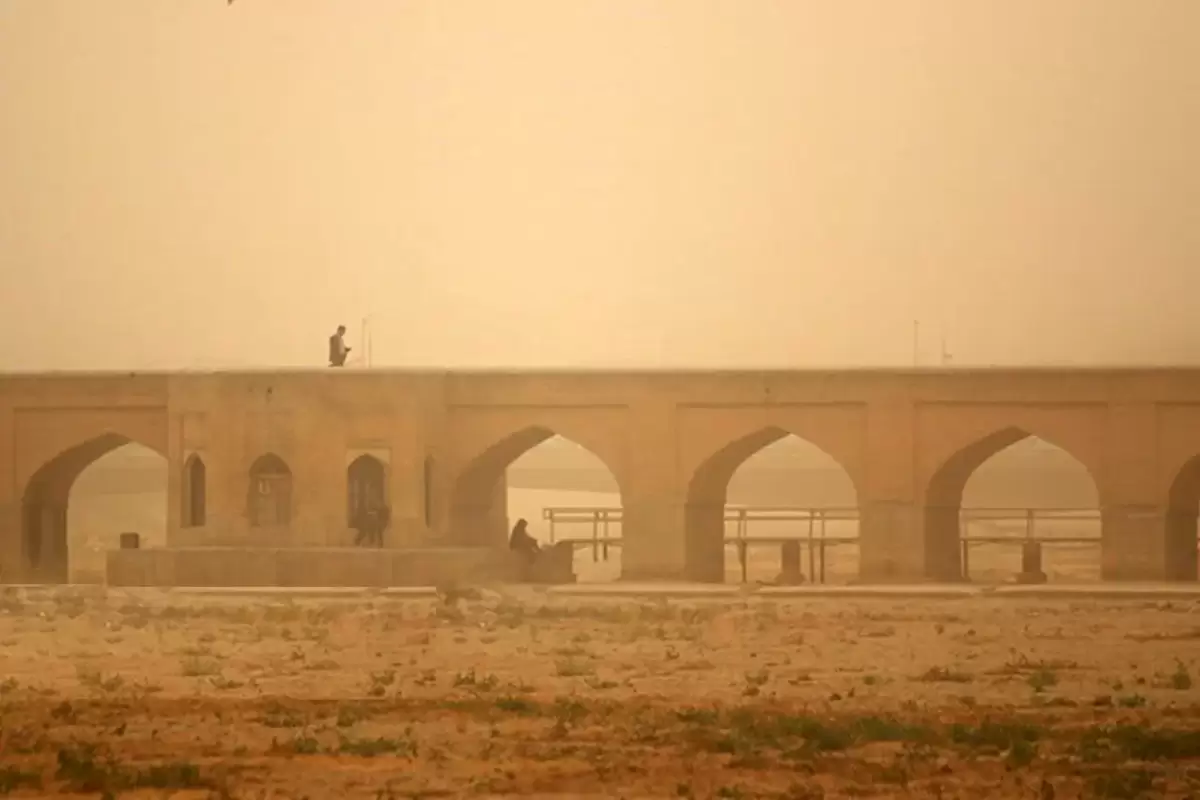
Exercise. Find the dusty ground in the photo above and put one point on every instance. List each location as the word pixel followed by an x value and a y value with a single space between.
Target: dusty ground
pixel 518 694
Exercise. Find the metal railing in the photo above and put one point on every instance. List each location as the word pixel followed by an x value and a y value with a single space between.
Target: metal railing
pixel 815 529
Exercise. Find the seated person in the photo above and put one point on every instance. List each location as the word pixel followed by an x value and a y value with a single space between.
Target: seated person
pixel 521 542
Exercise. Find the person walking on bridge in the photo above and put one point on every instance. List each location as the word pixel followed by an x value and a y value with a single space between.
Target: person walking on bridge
pixel 337 348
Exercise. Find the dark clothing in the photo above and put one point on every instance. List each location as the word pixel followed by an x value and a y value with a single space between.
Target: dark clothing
pixel 521 542
pixel 371 524
pixel 337 351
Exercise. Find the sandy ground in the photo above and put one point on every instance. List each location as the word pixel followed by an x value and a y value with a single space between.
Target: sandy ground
pixel 504 693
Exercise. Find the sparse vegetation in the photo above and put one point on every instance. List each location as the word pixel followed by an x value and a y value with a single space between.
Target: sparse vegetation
pixel 747 700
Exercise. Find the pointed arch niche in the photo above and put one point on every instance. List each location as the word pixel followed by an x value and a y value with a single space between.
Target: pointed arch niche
pixel 366 481
pixel 194 492
pixel 269 497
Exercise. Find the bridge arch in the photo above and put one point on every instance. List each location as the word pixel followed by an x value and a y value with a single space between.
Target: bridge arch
pixel 944 487
pixel 46 500
pixel 708 488
pixel 1183 514
pixel 478 498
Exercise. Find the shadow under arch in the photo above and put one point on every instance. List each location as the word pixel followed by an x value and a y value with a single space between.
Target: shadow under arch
pixel 45 502
pixel 478 497
pixel 1183 515
pixel 704 518
pixel 943 497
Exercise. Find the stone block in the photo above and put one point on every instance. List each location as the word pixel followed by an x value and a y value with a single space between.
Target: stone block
pixel 333 567
pixel 226 566
pixel 140 568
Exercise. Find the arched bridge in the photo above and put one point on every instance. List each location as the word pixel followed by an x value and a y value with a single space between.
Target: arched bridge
pixel 275 459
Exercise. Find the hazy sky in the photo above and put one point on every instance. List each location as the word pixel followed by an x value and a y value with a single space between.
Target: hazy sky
pixel 598 182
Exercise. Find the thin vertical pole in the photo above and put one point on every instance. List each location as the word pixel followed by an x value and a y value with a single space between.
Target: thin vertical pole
pixel 812 571
pixel 595 536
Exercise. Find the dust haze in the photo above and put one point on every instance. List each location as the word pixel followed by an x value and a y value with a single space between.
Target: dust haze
pixel 187 184
pixel 198 184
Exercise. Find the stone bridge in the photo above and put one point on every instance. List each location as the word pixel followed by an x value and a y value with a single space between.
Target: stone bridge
pixel 278 459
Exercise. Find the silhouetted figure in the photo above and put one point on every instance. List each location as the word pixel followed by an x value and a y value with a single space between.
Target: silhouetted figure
pixel 372 521
pixel 521 542
pixel 337 348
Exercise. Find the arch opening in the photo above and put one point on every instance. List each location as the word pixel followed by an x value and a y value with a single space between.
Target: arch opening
pixel 1012 506
pixel 269 503
pixel 1183 523
pixel 76 506
pixel 194 494
pixel 775 491
pixel 568 495
pixel 366 486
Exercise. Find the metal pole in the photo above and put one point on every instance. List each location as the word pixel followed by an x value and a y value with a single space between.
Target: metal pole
pixel 362 343
pixel 605 513
pixel 812 572
pixel 595 536
pixel 823 534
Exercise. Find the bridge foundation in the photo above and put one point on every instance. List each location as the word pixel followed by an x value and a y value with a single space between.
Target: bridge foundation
pixel 1145 543
pixel 891 546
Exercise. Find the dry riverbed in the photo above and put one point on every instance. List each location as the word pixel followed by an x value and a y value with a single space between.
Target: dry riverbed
pixel 501 694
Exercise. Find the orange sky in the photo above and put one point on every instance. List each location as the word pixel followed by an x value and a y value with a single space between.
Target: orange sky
pixel 598 182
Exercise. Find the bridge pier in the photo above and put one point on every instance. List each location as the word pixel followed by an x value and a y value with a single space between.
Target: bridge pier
pixel 653 546
pixel 705 543
pixel 891 546
pixel 1145 543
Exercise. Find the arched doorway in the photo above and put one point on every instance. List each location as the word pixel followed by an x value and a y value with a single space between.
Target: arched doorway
pixel 76 506
pixel 270 497
pixel 366 486
pixel 767 487
pixel 1001 491
pixel 563 490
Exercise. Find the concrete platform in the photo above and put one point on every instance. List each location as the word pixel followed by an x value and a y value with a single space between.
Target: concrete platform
pixel 942 591
pixel 325 592
pixel 1107 591
pixel 655 590
pixel 241 568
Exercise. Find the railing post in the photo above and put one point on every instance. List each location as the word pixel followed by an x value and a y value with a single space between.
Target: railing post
pixel 812 569
pixel 605 548
pixel 595 536
pixel 789 563
pixel 741 548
